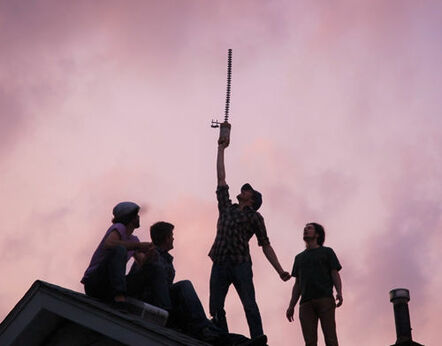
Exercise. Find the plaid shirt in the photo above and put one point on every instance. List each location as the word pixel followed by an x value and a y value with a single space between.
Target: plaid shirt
pixel 234 229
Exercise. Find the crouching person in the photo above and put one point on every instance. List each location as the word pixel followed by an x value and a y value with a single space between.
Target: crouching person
pixel 105 278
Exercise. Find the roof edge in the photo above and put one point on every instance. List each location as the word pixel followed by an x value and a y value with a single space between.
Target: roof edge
pixel 69 297
pixel 20 305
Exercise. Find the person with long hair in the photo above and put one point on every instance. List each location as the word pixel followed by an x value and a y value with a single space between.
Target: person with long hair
pixel 316 270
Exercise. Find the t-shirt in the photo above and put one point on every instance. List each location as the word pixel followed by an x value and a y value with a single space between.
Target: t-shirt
pixel 313 268
pixel 100 252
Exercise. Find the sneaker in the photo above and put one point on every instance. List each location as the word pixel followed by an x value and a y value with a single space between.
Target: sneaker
pixel 209 335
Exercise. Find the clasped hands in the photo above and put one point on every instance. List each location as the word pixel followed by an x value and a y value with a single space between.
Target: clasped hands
pixel 149 251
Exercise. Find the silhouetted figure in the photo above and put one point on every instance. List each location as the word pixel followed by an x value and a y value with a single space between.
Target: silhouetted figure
pixel 185 308
pixel 232 264
pixel 316 272
pixel 105 278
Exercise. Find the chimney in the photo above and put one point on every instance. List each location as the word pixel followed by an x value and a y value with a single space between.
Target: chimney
pixel 400 298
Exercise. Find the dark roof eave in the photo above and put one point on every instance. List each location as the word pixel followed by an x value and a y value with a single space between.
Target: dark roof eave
pixel 99 310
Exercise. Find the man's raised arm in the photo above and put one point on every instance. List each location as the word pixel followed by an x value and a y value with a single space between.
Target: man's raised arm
pixel 220 169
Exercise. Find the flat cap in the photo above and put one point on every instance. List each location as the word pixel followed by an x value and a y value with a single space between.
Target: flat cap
pixel 123 209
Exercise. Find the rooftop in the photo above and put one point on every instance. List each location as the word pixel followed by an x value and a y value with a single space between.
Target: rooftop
pixel 52 315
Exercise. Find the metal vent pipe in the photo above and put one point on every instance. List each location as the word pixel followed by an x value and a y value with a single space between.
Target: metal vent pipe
pixel 400 298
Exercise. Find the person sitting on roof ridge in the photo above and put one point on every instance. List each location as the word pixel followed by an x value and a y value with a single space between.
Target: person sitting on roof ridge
pixel 105 277
pixel 186 312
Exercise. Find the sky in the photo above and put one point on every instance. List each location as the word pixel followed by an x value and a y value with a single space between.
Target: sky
pixel 336 118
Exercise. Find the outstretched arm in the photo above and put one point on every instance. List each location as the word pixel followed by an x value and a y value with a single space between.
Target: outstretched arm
pixel 114 239
pixel 220 169
pixel 223 143
pixel 273 259
pixel 296 292
pixel 338 285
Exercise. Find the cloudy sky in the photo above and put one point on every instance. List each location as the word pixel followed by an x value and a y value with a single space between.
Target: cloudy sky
pixel 336 118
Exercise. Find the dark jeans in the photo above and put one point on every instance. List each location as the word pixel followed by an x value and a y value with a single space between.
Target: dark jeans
pixel 109 280
pixel 188 315
pixel 241 276
pixel 324 310
pixel 187 311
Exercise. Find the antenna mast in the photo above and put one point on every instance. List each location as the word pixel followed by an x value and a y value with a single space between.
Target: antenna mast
pixel 215 123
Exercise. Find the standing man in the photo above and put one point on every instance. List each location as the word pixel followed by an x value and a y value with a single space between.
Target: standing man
pixel 232 264
pixel 316 272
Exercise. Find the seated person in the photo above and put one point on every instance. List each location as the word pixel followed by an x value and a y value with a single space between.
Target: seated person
pixel 105 278
pixel 180 299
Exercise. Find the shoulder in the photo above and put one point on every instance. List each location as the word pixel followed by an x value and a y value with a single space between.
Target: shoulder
pixel 117 227
pixel 300 255
pixel 327 249
pixel 254 215
pixel 330 253
pixel 299 259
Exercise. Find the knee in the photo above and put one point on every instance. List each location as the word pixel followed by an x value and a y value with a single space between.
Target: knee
pixel 184 284
pixel 184 287
pixel 251 306
pixel 216 305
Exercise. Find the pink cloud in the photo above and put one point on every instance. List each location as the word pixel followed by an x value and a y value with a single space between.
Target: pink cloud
pixel 335 112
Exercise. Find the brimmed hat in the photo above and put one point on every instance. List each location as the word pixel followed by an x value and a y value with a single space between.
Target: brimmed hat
pixel 257 196
pixel 123 209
